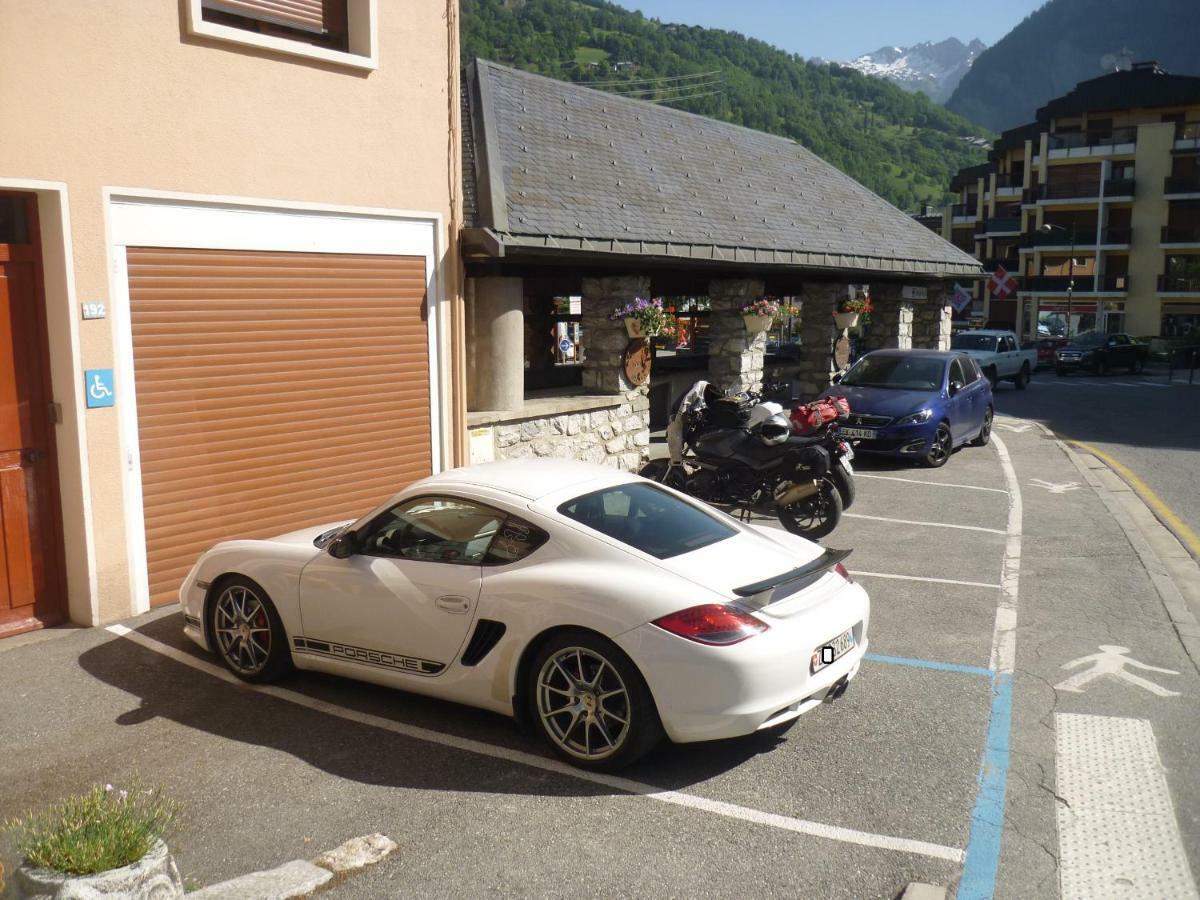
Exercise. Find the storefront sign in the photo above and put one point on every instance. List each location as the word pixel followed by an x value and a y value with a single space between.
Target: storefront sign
pixel 914 292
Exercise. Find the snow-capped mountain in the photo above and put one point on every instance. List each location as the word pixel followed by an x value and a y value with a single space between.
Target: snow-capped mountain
pixel 933 69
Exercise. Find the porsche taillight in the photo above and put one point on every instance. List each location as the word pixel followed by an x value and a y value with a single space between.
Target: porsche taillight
pixel 712 623
pixel 841 570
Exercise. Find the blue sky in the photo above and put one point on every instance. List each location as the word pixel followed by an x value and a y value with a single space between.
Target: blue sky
pixel 843 29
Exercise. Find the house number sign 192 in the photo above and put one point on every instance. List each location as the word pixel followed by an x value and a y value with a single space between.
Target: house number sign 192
pixel 93 310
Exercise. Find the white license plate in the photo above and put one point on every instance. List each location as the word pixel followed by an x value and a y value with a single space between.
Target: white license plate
pixel 845 461
pixel 866 434
pixel 828 653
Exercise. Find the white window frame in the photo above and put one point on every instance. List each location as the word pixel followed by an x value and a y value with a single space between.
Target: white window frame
pixel 362 24
pixel 146 218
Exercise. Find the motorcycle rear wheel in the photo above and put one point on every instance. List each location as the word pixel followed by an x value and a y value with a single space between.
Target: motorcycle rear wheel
pixel 815 516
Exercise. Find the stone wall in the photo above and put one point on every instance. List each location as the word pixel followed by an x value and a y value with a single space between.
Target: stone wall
pixel 614 435
pixel 931 319
pixel 891 324
pixel 817 334
pixel 735 356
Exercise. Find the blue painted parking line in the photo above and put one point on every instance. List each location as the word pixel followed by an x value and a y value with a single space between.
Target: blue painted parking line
pixel 929 664
pixel 987 818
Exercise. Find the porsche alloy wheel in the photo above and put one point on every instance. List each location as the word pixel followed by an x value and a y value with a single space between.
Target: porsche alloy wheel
pixel 591 703
pixel 248 633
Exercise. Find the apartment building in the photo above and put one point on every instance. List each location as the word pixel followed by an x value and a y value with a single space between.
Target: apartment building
pixel 228 275
pixel 1095 206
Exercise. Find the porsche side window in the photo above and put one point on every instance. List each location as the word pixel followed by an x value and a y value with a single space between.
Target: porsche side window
pixel 647 518
pixel 515 540
pixel 433 529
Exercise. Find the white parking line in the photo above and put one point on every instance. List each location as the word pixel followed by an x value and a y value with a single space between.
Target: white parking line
pixel 616 783
pixel 982 584
pixel 1117 834
pixel 930 524
pixel 969 487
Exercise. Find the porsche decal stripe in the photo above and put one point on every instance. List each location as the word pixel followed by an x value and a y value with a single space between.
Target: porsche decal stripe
pixel 365 656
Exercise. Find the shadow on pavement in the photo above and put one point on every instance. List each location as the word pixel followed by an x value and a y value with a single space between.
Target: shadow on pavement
pixel 358 752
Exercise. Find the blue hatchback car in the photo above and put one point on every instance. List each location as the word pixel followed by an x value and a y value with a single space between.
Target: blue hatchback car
pixel 916 404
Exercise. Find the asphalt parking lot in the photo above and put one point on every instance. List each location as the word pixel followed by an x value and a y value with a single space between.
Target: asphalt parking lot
pixel 937 766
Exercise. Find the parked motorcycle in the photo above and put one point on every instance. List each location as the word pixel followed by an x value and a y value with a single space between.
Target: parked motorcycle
pixel 743 452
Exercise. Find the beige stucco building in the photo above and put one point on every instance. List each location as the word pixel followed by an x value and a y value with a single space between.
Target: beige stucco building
pixel 221 205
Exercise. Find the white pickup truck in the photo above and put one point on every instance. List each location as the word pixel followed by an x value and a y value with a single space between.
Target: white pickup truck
pixel 999 354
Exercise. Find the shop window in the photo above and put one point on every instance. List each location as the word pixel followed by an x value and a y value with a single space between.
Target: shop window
pixel 1181 321
pixel 555 341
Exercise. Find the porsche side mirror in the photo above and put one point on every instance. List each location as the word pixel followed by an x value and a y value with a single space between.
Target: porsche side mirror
pixel 342 547
pixel 955 387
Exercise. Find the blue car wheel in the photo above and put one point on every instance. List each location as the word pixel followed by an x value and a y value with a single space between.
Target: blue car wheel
pixel 940 447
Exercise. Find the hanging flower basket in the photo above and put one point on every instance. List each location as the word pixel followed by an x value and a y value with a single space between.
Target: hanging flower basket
pixel 849 311
pixel 764 313
pixel 644 318
pixel 756 324
pixel 845 320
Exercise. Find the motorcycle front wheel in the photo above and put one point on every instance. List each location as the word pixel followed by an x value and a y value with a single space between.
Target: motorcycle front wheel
pixel 845 485
pixel 815 516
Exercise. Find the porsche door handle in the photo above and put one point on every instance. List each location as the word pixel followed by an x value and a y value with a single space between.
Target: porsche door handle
pixel 458 605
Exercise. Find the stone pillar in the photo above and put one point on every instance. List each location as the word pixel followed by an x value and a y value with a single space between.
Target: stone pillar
pixel 931 319
pixel 735 356
pixel 603 370
pixel 817 334
pixel 890 327
pixel 497 377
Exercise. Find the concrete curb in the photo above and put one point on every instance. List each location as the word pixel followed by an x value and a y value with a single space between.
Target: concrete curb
pixel 1172 570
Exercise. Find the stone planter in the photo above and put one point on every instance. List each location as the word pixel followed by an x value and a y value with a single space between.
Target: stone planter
pixel 153 877
pixel 845 320
pixel 757 324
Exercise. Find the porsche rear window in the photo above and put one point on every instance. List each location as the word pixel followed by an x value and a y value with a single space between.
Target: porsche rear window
pixel 647 518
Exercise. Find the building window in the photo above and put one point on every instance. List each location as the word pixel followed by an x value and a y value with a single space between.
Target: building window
pixel 321 23
pixel 335 31
pixel 1179 321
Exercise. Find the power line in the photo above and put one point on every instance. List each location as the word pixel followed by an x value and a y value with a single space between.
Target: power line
pixel 620 81
pixel 656 90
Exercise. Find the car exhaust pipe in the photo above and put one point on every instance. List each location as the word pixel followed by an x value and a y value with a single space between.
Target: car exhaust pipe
pixel 788 492
pixel 839 688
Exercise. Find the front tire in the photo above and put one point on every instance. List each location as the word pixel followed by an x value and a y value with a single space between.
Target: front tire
pixel 845 484
pixel 590 703
pixel 815 516
pixel 940 448
pixel 1136 368
pixel 1101 367
pixel 248 632
pixel 990 374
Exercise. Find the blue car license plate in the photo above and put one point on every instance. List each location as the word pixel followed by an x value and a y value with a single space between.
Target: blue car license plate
pixel 860 434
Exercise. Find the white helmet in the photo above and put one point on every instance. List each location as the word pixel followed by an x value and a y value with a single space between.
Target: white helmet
pixel 775 430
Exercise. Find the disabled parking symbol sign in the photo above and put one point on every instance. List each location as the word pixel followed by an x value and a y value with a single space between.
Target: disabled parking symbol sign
pixel 98 385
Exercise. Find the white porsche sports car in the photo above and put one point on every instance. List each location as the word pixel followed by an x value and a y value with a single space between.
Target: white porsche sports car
pixel 601 608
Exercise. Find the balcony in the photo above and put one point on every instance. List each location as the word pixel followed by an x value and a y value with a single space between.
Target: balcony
pixel 1181 184
pixel 1092 143
pixel 1071 190
pixel 1058 284
pixel 1029 196
pixel 1010 263
pixel 1000 225
pixel 1116 234
pixel 1057 238
pixel 1118 187
pixel 1187 135
pixel 1179 284
pixel 1181 234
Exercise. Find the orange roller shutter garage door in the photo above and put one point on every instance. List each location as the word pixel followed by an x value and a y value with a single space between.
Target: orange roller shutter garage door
pixel 275 391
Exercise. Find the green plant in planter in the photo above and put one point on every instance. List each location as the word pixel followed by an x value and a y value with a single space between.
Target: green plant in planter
pixel 650 315
pixel 94 832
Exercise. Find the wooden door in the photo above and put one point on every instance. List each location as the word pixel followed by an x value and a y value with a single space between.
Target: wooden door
pixel 32 591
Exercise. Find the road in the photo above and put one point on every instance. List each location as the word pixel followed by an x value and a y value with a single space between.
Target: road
pixel 1151 428
pixel 972 751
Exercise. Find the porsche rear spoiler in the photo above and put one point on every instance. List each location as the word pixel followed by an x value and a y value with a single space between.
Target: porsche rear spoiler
pixel 809 571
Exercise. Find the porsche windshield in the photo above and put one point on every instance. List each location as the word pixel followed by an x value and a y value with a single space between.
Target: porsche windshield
pixel 647 518
pixel 902 373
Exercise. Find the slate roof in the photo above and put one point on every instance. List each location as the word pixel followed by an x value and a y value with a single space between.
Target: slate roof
pixel 558 166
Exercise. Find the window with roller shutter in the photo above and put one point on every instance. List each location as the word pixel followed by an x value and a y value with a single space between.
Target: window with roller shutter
pixel 275 391
pixel 319 22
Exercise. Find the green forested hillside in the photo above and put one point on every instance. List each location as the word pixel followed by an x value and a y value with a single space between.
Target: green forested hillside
pixel 901 145
pixel 1068 41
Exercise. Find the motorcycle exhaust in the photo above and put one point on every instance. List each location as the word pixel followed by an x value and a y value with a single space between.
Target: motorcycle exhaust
pixel 788 492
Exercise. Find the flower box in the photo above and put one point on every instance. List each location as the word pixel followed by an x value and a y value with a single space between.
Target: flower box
pixel 633 327
pixel 845 320
pixel 756 324
pixel 153 877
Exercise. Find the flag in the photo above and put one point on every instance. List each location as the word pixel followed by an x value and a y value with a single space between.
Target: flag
pixel 961 298
pixel 1001 284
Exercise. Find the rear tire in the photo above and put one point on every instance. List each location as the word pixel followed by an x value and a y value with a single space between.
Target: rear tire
pixel 1136 368
pixel 1101 367
pixel 815 516
pixel 579 679
pixel 1022 378
pixel 985 432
